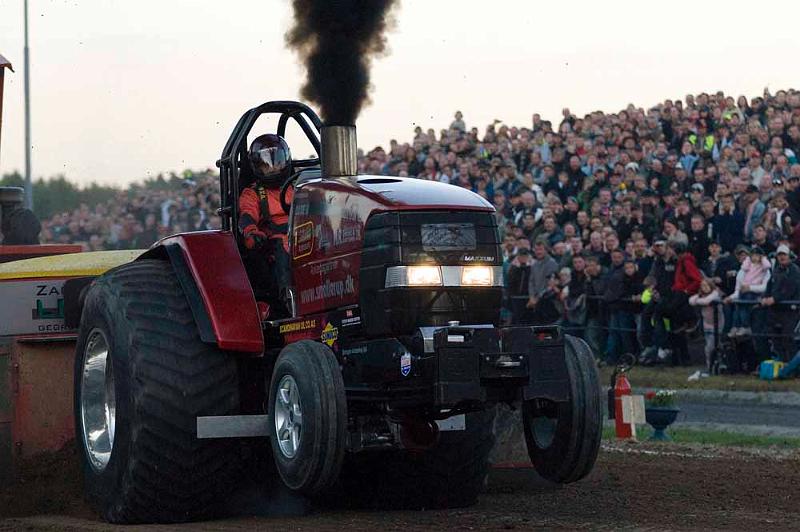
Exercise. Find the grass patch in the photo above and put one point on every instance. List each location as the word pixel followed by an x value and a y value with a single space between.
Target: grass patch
pixel 675 378
pixel 714 437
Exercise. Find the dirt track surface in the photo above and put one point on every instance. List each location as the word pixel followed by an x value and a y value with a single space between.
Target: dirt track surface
pixel 641 486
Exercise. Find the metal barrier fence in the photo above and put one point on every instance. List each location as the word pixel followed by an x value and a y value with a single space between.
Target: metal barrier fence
pixel 794 306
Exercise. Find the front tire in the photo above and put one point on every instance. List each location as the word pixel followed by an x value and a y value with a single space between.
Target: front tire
pixel 308 417
pixel 563 439
pixel 142 376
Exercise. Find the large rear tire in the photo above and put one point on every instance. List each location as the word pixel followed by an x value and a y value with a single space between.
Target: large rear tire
pixel 308 417
pixel 451 474
pixel 563 439
pixel 142 376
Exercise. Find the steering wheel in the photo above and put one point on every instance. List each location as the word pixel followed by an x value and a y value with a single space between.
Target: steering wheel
pixel 285 206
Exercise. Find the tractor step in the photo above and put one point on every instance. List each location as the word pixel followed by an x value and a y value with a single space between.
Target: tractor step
pixel 250 426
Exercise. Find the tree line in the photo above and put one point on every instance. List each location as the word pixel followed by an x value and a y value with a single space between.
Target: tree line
pixel 58 194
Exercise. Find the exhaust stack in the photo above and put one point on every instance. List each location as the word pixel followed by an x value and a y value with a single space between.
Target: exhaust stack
pixel 339 155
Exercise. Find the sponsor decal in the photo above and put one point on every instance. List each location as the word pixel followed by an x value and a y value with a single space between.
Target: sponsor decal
pixel 350 227
pixel 300 325
pixel 478 258
pixel 448 237
pixel 47 290
pixel 329 289
pixel 405 364
pixel 54 328
pixel 324 236
pixel 41 312
pixel 355 351
pixel 324 267
pixel 347 234
pixel 329 334
pixel 30 307
pixel 303 241
pixel 48 313
pixel 349 322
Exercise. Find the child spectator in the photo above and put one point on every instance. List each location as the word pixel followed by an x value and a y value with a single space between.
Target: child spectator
pixel 707 299
pixel 751 281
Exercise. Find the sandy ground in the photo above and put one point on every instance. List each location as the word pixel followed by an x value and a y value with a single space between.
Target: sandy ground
pixel 634 486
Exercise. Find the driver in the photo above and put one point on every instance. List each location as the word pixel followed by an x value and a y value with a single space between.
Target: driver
pixel 262 220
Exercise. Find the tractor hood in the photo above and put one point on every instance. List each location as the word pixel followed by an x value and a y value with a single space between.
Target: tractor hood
pixel 339 164
pixel 401 192
pixel 404 191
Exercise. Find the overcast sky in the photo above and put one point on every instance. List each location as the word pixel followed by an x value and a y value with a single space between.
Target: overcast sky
pixel 126 89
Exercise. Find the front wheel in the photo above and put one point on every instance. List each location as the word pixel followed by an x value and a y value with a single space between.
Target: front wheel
pixel 308 417
pixel 563 439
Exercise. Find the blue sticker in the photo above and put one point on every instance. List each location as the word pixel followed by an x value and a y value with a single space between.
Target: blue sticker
pixel 405 364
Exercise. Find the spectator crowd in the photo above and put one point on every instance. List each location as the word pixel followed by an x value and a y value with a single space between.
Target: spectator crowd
pixel 627 228
pixel 632 228
pixel 137 218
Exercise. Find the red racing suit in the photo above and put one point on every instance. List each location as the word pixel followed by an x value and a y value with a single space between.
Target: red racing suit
pixel 261 216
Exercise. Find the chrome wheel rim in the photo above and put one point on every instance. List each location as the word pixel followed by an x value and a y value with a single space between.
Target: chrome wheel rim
pixel 98 402
pixel 288 416
pixel 544 431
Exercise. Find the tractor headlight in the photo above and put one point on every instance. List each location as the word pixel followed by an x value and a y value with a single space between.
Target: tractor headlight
pixel 413 276
pixel 476 276
pixel 424 276
pixel 450 276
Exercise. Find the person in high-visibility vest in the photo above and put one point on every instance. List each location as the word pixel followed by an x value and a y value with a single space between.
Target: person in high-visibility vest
pixel 703 141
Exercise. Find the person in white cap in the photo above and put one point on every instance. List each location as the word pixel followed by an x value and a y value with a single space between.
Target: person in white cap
pixel 783 288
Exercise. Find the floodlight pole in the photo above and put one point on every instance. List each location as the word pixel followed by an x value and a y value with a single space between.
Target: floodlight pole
pixel 4 64
pixel 26 58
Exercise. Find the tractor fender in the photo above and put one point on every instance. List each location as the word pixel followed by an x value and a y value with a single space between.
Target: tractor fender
pixel 212 275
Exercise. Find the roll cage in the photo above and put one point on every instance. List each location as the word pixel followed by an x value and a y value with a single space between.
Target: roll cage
pixel 230 162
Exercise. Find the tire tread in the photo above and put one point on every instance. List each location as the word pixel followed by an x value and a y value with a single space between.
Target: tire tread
pixel 171 475
pixel 573 452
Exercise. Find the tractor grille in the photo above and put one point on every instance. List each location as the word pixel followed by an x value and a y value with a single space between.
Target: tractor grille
pixel 430 237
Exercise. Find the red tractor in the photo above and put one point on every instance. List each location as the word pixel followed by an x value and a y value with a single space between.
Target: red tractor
pixel 387 364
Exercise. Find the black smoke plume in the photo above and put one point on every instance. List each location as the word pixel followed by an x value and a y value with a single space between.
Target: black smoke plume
pixel 337 39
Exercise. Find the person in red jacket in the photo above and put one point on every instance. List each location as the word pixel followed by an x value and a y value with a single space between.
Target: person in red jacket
pixel 262 221
pixel 682 315
pixel 687 274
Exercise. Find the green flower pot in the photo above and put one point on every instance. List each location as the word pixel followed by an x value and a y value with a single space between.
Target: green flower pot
pixel 660 417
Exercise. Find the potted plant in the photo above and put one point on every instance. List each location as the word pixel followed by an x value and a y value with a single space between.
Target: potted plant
pixel 660 412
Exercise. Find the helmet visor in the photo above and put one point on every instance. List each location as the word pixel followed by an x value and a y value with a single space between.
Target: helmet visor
pixel 271 160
